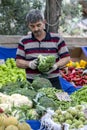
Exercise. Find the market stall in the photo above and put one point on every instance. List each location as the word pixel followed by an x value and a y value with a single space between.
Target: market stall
pixel 26 102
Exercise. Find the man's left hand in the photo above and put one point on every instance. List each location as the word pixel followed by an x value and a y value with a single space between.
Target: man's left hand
pixel 53 69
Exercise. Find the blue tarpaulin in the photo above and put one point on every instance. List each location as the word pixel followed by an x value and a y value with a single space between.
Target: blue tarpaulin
pixel 7 53
pixel 67 86
pixel 35 124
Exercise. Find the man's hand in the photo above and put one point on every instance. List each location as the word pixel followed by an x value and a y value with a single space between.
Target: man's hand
pixel 33 64
pixel 53 69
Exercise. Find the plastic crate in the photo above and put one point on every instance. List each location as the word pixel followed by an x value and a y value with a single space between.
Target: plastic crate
pixel 35 124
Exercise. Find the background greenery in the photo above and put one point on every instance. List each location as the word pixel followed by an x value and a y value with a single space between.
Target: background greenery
pixel 13 15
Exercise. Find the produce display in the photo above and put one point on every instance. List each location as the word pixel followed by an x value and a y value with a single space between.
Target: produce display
pixel 75 73
pixel 21 100
pixel 39 100
pixel 73 118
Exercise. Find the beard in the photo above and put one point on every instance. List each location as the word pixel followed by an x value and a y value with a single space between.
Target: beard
pixel 37 33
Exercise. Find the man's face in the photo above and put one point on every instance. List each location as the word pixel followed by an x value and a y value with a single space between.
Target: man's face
pixel 37 28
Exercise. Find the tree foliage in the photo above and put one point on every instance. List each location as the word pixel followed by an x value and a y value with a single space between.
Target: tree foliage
pixel 71 14
pixel 13 15
pixel 59 16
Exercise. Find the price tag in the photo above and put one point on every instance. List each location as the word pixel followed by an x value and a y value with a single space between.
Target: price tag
pixel 2 61
pixel 63 96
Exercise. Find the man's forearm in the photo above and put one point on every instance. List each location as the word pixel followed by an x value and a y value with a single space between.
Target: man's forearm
pixel 22 63
pixel 62 62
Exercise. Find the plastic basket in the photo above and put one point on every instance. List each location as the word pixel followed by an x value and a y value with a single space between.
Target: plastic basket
pixel 35 124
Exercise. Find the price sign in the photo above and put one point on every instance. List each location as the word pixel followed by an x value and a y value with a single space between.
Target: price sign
pixel 63 96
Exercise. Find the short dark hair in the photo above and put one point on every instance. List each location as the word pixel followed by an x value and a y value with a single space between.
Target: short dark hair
pixel 34 16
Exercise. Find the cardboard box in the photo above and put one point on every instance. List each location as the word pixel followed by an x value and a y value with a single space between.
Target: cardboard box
pixel 78 53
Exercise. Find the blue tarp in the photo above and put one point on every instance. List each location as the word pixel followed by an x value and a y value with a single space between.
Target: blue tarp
pixel 35 124
pixel 7 53
pixel 67 86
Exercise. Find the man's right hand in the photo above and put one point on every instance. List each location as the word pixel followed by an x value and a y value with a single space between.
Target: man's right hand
pixel 33 64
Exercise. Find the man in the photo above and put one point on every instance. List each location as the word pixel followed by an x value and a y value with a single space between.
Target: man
pixel 41 42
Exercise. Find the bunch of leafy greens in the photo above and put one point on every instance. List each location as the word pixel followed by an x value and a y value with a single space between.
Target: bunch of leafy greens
pixel 45 63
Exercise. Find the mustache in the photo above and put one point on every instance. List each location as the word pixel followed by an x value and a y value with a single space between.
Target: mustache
pixel 37 31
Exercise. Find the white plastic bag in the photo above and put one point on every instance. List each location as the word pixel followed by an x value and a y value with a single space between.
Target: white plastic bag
pixel 47 123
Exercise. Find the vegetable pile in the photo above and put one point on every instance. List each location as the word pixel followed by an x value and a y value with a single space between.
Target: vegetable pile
pixel 73 118
pixel 80 64
pixel 12 123
pixel 47 98
pixel 75 76
pixel 9 72
pixel 43 96
pixel 80 96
